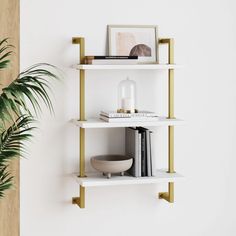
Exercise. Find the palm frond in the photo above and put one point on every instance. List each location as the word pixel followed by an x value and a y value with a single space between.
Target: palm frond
pixel 5 52
pixel 32 85
pixel 12 140
pixel 5 180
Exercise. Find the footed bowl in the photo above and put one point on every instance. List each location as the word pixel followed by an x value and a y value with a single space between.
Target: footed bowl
pixel 110 164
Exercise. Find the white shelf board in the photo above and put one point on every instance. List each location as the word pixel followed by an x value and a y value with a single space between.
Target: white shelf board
pixel 127 67
pixel 97 179
pixel 98 123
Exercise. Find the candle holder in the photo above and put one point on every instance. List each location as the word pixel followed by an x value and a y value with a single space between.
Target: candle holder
pixel 127 96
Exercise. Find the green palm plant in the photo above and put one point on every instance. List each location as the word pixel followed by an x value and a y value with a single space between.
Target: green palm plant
pixel 28 89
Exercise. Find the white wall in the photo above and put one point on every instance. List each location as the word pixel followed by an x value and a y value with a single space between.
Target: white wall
pixel 205 34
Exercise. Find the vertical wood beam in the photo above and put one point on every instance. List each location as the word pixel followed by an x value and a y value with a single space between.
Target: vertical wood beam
pixel 10 204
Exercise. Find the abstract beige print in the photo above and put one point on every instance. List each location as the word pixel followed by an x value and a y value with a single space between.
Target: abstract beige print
pixel 127 44
pixel 124 41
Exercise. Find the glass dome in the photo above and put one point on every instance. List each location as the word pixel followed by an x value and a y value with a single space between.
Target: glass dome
pixel 127 96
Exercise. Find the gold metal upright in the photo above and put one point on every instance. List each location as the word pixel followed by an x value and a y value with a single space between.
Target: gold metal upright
pixel 80 201
pixel 169 196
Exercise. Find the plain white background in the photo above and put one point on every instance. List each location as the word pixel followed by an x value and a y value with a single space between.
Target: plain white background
pixel 205 36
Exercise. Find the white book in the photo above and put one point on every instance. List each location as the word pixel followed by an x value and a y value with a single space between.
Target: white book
pixel 148 146
pixel 153 162
pixel 144 113
pixel 111 114
pixel 131 149
pixel 115 62
pixel 128 119
pixel 138 114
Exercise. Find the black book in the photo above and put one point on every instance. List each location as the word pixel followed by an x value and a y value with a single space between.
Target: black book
pixel 110 57
pixel 143 151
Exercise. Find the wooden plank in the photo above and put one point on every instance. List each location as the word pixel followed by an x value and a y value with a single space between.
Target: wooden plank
pixel 9 28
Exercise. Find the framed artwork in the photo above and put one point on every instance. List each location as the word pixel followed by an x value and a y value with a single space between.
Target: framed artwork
pixel 134 40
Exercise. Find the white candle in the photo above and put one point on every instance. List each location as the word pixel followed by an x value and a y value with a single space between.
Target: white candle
pixel 127 104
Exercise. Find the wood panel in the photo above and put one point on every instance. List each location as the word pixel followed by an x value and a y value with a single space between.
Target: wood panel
pixel 9 28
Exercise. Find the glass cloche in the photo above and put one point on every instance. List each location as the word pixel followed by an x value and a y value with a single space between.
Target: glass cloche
pixel 127 96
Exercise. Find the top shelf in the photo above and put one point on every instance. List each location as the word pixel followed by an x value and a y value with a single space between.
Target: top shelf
pixel 127 67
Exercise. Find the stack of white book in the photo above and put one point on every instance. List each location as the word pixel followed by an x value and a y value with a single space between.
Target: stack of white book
pixel 113 117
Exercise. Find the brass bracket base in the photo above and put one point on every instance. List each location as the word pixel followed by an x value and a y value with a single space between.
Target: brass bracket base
pixel 76 200
pixel 80 201
pixel 166 196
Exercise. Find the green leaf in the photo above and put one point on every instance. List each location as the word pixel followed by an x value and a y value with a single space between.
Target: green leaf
pixel 16 118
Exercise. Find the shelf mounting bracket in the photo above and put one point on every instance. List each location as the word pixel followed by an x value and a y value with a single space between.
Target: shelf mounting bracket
pixel 80 201
pixel 169 196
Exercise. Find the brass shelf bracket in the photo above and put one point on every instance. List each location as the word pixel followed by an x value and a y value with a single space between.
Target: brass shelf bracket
pixel 80 201
pixel 169 196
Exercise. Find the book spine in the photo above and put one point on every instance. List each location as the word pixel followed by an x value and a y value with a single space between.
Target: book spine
pixel 114 62
pixel 139 155
pixel 136 154
pixel 132 115
pixel 153 163
pixel 115 115
pixel 128 149
pixel 110 57
pixel 144 115
pixel 128 119
pixel 143 151
pixel 149 171
pixel 131 149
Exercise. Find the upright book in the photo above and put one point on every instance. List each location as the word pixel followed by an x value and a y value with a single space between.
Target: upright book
pixel 143 151
pixel 148 149
pixel 153 163
pixel 132 150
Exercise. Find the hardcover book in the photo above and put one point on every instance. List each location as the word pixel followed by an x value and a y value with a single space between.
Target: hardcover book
pixel 114 62
pixel 142 114
pixel 111 60
pixel 132 149
pixel 128 119
pixel 143 151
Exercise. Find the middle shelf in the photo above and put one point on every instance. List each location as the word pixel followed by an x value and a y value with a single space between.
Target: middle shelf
pixel 96 179
pixel 98 123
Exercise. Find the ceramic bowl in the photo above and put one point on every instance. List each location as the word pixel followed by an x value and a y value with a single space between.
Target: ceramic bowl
pixel 110 164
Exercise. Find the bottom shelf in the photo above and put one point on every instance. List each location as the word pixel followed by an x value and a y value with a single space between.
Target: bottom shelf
pixel 97 179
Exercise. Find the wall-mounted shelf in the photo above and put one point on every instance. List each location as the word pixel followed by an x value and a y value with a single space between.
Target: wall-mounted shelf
pixel 128 67
pixel 96 179
pixel 169 176
pixel 98 123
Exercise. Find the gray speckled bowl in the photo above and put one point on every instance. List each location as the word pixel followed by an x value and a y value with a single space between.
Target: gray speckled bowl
pixel 109 164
